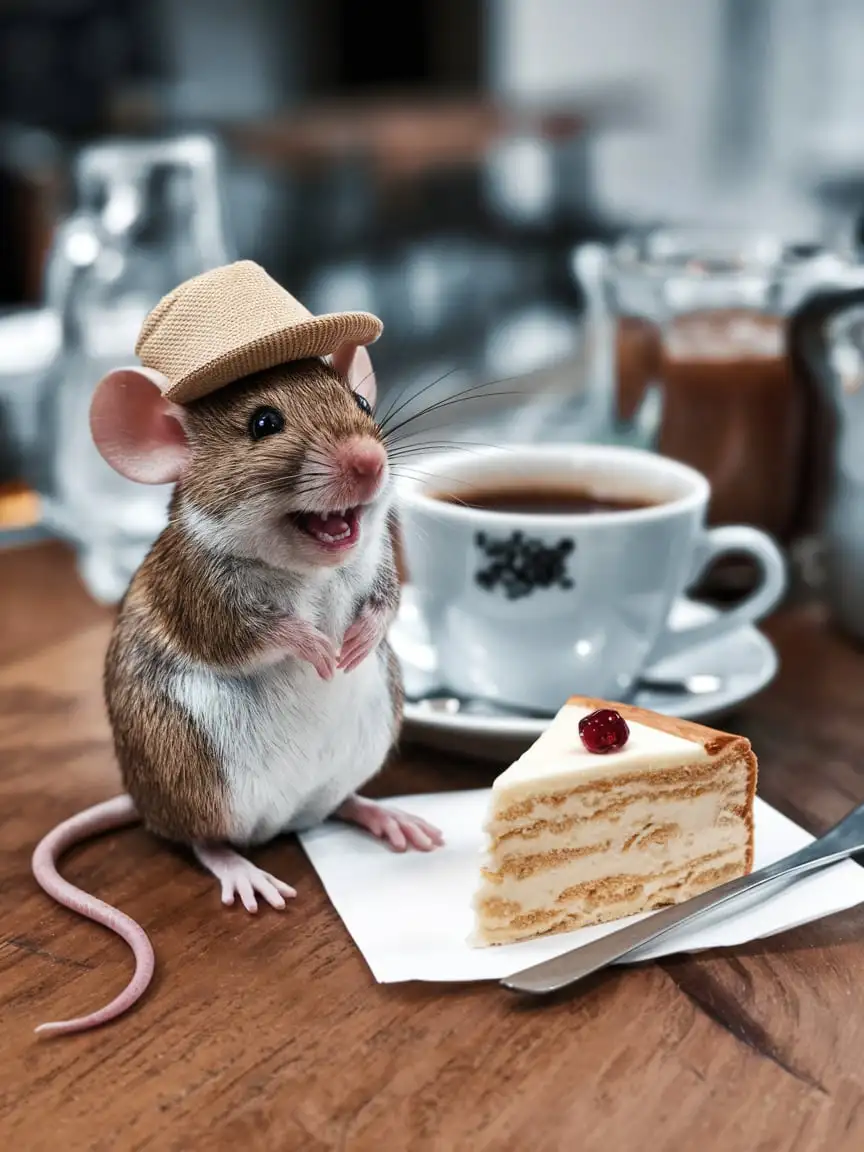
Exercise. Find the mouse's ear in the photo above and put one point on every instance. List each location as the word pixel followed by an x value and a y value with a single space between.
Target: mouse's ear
pixel 137 431
pixel 353 361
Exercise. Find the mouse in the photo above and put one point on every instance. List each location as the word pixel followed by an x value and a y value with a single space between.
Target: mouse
pixel 248 680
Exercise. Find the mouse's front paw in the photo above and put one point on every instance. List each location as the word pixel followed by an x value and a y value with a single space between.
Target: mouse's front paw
pixel 362 637
pixel 303 640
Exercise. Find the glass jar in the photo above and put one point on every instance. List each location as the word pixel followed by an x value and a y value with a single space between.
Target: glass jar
pixel 147 217
pixel 700 316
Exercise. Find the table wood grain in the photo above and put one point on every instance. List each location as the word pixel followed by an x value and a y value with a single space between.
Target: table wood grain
pixel 268 1032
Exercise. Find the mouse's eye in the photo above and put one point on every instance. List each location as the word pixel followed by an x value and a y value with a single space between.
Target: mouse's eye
pixel 265 422
pixel 363 404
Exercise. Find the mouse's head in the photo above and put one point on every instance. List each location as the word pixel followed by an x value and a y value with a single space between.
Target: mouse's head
pixel 287 466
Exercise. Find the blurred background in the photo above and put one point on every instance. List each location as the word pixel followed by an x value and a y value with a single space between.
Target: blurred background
pixel 523 190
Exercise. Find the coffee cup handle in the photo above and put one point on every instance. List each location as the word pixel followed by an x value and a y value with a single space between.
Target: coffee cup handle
pixel 717 542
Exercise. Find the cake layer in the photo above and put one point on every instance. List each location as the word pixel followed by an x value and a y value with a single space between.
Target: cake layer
pixel 677 826
pixel 605 796
pixel 586 902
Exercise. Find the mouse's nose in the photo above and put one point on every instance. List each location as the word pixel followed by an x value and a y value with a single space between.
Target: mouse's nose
pixel 366 460
pixel 362 462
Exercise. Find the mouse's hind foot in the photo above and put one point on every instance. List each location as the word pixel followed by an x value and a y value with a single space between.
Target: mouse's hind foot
pixel 239 877
pixel 396 828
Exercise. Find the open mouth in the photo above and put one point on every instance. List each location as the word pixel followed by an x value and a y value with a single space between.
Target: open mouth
pixel 332 530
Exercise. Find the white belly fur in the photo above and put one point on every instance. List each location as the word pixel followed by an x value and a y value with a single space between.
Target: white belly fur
pixel 292 746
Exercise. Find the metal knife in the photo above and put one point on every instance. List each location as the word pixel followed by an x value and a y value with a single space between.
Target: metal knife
pixel 843 840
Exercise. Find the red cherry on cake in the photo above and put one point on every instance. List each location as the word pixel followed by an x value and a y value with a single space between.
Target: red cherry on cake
pixel 604 731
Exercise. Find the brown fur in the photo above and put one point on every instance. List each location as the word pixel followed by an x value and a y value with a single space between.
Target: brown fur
pixel 167 765
pixel 200 605
pixel 397 691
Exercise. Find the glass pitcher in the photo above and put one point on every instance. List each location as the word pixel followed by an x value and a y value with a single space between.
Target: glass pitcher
pixel 697 316
pixel 147 218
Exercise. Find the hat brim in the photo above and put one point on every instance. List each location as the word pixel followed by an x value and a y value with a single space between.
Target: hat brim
pixel 317 336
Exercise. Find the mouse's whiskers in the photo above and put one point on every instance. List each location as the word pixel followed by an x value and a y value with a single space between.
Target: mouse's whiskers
pixel 385 423
pixel 408 448
pixel 475 394
pixel 421 475
pixel 396 407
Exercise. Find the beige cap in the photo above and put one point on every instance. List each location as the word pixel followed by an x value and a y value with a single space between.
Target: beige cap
pixel 233 321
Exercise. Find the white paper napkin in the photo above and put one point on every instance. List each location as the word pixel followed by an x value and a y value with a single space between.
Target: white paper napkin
pixel 410 914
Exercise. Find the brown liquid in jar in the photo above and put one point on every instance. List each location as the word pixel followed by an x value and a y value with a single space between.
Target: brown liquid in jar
pixel 735 414
pixel 637 356
pixel 731 408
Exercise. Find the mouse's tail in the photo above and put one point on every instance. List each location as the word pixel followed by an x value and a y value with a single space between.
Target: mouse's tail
pixel 115 813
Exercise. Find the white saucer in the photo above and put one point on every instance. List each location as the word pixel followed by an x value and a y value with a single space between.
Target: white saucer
pixel 744 661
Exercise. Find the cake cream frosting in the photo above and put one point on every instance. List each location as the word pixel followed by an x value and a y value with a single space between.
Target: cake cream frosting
pixel 577 838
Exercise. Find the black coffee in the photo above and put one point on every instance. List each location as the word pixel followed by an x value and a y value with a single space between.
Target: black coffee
pixel 540 500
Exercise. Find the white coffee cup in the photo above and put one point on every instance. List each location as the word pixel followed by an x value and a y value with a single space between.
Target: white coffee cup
pixel 528 609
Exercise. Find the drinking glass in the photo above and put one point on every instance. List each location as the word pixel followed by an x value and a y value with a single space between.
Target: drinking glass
pixel 147 217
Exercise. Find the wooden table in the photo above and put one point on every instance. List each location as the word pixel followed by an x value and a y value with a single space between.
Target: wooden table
pixel 269 1033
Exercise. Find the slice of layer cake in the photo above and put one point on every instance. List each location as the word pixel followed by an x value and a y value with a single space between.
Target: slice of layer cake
pixel 579 836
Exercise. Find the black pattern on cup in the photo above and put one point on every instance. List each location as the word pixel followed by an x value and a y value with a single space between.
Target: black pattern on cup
pixel 520 564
